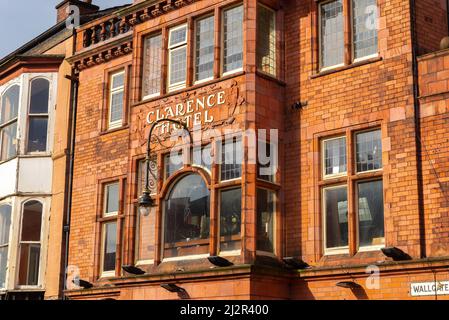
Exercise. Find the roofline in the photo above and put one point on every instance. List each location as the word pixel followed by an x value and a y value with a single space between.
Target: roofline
pixel 52 31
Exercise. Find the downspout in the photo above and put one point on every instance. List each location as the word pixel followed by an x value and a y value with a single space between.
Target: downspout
pixel 69 166
pixel 418 141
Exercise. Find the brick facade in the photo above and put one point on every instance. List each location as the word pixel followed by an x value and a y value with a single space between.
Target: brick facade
pixel 374 93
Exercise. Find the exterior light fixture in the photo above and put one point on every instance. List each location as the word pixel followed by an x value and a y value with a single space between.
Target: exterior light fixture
pixel 219 261
pixel 296 263
pixel 82 283
pixel 145 201
pixel 171 287
pixel 348 285
pixel 395 253
pixel 133 270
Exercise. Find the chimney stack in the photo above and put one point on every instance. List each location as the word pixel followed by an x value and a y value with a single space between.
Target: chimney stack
pixel 85 7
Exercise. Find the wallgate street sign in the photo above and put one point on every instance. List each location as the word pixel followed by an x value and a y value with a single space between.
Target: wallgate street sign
pixel 433 288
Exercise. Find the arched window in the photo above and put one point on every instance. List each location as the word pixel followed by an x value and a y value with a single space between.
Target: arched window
pixel 5 225
pixel 9 110
pixel 30 244
pixel 187 212
pixel 38 115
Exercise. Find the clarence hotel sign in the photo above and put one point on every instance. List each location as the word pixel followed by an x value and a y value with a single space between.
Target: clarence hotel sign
pixel 193 111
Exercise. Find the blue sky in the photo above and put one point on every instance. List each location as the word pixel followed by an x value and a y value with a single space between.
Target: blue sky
pixel 22 20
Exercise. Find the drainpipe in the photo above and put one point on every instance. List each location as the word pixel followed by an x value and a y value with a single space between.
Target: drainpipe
pixel 418 141
pixel 69 167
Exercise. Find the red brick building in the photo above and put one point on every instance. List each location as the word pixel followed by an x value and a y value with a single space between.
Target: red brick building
pixel 357 96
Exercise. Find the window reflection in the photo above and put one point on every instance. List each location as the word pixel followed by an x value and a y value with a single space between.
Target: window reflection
pixel 230 219
pixel 187 217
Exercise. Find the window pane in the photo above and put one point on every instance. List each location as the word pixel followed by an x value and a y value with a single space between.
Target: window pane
pixel 152 65
pixel 334 156
pixel 9 104
pixel 172 164
pixel 109 246
pixel 231 160
pixel 8 141
pixel 31 221
pixel 145 235
pixel 37 134
pixel 178 36
pixel 202 156
pixel 187 218
pixel 369 151
pixel 365 27
pixel 230 219
pixel 29 264
pixel 204 55
pixel 3 260
pixel 178 65
pixel 112 198
pixel 40 90
pixel 152 178
pixel 5 223
pixel 116 106
pixel 336 217
pixel 266 40
pixel 233 39
pixel 265 220
pixel 371 213
pixel 267 161
pixel 332 33
pixel 118 80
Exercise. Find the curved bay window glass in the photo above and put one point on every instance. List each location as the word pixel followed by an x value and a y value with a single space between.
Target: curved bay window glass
pixel 336 218
pixel 5 225
pixel 230 219
pixel 9 110
pixel 371 213
pixel 30 244
pixel 266 208
pixel 187 215
pixel 38 116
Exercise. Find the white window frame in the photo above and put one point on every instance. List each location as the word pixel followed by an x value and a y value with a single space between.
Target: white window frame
pixel 10 122
pixel 323 160
pixel 355 151
pixel 224 74
pixel 158 93
pixel 43 246
pixel 105 199
pixel 195 29
pixel 8 245
pixel 172 48
pixel 371 56
pixel 336 250
pixel 110 273
pixel 320 40
pixel 38 115
pixel 371 247
pixel 112 91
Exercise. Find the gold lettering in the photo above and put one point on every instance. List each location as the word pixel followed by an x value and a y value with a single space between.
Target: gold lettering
pixel 197 118
pixel 169 112
pixel 221 98
pixel 208 119
pixel 209 101
pixel 180 110
pixel 189 106
pixel 199 103
pixel 150 114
